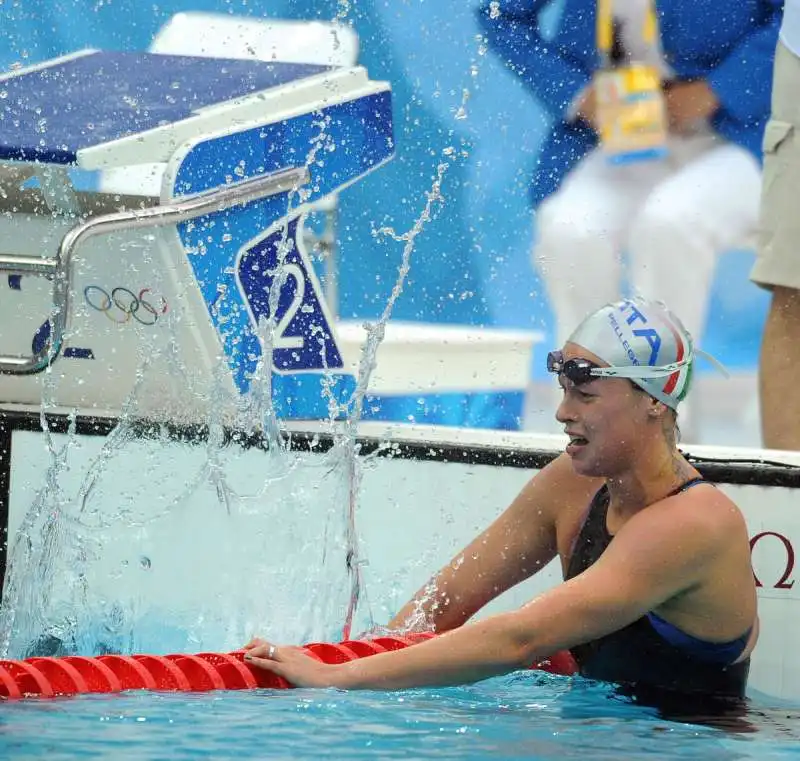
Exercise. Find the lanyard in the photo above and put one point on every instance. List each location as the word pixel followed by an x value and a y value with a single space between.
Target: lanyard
pixel 630 102
pixel 605 27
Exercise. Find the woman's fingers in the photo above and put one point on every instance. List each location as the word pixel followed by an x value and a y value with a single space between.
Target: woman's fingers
pixel 263 650
pixel 263 662
pixel 255 642
pixel 291 663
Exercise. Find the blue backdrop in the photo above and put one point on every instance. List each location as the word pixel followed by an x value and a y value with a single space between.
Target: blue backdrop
pixel 471 265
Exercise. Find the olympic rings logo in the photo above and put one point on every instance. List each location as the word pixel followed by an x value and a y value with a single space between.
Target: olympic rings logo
pixel 122 304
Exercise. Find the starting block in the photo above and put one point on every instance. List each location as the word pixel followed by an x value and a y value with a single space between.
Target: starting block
pixel 98 285
pixel 151 216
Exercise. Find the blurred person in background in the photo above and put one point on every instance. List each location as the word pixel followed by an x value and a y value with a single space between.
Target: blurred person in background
pixel 777 266
pixel 658 113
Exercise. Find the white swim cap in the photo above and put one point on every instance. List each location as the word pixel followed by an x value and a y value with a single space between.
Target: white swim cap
pixel 645 342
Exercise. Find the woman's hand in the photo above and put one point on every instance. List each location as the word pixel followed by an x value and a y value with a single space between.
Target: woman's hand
pixel 291 663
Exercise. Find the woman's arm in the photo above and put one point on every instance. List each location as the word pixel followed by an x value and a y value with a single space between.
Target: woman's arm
pixel 520 542
pixel 655 557
pixel 509 551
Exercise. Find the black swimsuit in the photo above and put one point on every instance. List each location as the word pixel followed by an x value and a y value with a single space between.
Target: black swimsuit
pixel 650 655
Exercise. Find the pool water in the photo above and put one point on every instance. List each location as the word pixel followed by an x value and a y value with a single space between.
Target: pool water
pixel 526 715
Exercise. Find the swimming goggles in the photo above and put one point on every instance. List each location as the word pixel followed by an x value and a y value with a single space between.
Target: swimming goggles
pixel 579 371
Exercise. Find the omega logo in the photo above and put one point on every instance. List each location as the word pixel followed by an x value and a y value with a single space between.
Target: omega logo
pixel 777 542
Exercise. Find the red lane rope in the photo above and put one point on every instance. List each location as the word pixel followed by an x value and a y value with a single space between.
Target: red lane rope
pixel 178 672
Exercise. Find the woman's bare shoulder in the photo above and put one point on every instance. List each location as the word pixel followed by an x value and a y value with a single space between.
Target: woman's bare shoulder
pixel 559 492
pixel 561 478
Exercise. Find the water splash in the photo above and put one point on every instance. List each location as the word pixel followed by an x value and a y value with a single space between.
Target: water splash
pixel 53 592
pixel 247 586
pixel 375 335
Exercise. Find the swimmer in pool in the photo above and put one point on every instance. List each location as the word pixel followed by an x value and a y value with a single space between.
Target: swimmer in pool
pixel 658 591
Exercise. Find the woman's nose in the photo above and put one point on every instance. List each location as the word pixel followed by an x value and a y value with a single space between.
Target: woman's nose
pixel 565 412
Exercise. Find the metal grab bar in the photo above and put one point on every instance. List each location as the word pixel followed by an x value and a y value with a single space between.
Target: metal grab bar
pixel 60 267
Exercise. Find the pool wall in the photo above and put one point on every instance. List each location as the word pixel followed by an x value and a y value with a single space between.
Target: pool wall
pixel 423 494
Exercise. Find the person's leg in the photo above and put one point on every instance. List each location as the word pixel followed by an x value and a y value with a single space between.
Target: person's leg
pixel 580 230
pixel 777 266
pixel 779 371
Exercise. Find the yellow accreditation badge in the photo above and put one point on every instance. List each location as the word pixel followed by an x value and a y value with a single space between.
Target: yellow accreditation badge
pixel 631 111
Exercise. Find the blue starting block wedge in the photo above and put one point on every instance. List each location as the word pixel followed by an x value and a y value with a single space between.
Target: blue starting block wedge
pixel 149 292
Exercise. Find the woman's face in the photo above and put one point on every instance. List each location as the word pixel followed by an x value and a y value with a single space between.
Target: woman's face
pixel 606 420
